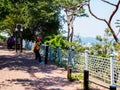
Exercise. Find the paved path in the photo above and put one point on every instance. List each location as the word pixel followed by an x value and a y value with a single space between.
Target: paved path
pixel 21 72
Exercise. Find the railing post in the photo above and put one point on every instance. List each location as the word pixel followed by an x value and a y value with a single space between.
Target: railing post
pixel 112 85
pixel 46 53
pixel 50 53
pixel 59 55
pixel 86 72
pixel 71 55
pixel 21 40
pixel 69 69
pixel 16 41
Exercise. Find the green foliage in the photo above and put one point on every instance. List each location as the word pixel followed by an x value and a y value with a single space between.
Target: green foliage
pixel 2 37
pixel 5 8
pixel 43 17
pixel 76 46
pixel 96 49
pixel 104 49
pixel 8 24
pixel 58 40
pixel 72 6
pixel 117 23
pixel 75 77
pixel 73 9
pixel 40 16
pixel 117 46
pixel 99 38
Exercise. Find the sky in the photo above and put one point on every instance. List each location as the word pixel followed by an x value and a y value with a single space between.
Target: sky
pixel 90 26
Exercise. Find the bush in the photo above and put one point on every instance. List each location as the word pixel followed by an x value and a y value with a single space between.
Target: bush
pixel 74 77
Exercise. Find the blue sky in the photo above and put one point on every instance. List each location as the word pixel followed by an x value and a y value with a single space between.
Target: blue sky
pixel 90 26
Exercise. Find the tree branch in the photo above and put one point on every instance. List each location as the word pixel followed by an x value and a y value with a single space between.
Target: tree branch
pixel 108 2
pixel 81 4
pixel 110 18
pixel 113 13
pixel 95 15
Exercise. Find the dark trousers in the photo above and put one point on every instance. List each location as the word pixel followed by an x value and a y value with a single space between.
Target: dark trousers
pixel 10 45
pixel 37 56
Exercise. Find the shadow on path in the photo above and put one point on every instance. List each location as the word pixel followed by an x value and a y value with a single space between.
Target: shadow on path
pixel 21 71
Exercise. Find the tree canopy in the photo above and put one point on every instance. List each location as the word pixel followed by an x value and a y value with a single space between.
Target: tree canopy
pixel 73 9
pixel 41 16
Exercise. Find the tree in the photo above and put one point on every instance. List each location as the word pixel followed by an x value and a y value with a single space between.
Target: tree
pixel 108 22
pixel 5 8
pixel 40 16
pixel 106 47
pixel 73 9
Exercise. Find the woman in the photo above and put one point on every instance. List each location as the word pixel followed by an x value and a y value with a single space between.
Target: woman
pixel 37 49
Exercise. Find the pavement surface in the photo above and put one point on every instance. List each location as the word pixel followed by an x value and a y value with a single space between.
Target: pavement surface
pixel 19 71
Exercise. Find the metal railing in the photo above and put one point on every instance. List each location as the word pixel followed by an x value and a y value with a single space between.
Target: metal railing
pixel 106 70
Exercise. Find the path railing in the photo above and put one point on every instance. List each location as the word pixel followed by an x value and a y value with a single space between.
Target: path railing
pixel 105 70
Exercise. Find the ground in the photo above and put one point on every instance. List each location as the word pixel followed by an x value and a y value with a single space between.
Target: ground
pixel 19 71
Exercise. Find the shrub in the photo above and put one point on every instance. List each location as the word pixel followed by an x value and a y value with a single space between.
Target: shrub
pixel 75 77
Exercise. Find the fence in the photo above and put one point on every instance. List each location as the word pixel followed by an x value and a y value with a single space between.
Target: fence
pixel 105 70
